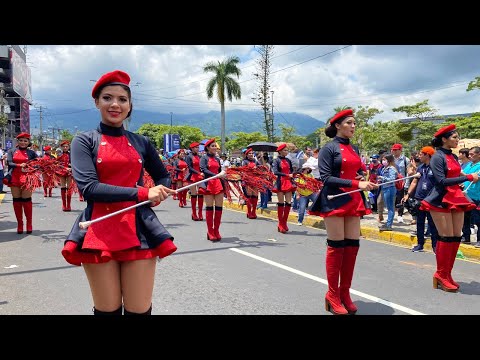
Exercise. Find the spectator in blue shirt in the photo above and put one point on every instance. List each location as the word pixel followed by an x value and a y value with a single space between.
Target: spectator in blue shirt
pixel 418 190
pixel 473 192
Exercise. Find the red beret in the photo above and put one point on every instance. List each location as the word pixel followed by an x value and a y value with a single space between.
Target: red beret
pixel 209 142
pixel 341 114
pixel 249 150
pixel 116 77
pixel 445 130
pixel 396 147
pixel 23 135
pixel 65 142
pixel 180 151
pixel 47 148
pixel 194 144
pixel 281 146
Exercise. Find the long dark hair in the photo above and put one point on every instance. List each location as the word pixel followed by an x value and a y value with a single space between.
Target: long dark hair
pixel 437 140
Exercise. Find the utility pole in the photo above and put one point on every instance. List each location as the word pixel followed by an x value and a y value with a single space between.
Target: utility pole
pixel 171 121
pixel 40 137
pixel 270 136
pixel 2 114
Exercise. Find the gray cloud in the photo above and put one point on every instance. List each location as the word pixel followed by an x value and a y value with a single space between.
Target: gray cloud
pixel 170 77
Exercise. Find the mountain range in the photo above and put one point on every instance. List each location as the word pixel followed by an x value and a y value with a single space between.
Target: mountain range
pixel 209 122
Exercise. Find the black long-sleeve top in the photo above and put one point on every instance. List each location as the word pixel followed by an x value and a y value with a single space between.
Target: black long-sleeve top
pixel 204 165
pixel 30 153
pixel 438 164
pixel 84 151
pixel 329 165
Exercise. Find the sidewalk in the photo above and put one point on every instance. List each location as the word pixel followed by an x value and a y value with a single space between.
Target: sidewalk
pixel 401 233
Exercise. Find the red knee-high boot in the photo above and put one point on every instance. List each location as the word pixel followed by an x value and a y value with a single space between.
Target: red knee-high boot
pixel 69 199
pixel 285 215
pixel 249 206
pixel 80 197
pixel 27 207
pixel 193 200
pixel 18 209
pixel 280 210
pixel 253 203
pixel 209 217
pixel 174 187
pixel 346 273
pixel 217 220
pixel 44 189
pixel 50 192
pixel 443 254
pixel 200 207
pixel 335 251
pixel 454 245
pixel 63 192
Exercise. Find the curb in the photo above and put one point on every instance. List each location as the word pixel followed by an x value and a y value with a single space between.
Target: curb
pixel 470 252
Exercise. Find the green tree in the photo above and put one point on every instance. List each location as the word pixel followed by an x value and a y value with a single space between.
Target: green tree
pixel 362 117
pixel 155 132
pixel 474 84
pixel 468 126
pixel 3 123
pixel 224 82
pixel 66 135
pixel 240 140
pixel 420 110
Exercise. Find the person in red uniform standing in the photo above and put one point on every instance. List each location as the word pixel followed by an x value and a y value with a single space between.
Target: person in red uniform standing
pixel 213 190
pixel 47 190
pixel 65 175
pixel 340 168
pixel 194 175
pixel 251 194
pixel 181 168
pixel 21 197
pixel 284 187
pixel 447 204
pixel 119 254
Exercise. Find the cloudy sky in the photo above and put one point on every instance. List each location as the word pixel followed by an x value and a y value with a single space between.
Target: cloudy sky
pixel 310 79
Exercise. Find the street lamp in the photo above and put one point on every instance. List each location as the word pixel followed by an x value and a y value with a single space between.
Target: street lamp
pixel 171 121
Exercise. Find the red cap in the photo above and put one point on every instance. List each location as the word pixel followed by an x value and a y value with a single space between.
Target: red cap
pixel 116 77
pixel 249 150
pixel 209 142
pixel 180 151
pixel 23 135
pixel 445 130
pixel 281 146
pixel 341 114
pixel 396 147
pixel 194 144
pixel 65 142
pixel 47 148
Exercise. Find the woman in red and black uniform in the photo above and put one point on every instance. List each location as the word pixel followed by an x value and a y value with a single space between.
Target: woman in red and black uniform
pixel 282 167
pixel 213 190
pixel 251 194
pixel 194 175
pixel 118 254
pixel 181 168
pixel 21 197
pixel 65 175
pixel 47 190
pixel 340 171
pixel 447 204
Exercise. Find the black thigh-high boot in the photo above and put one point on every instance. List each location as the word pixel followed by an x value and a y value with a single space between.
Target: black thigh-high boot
pixel 114 312
pixel 148 312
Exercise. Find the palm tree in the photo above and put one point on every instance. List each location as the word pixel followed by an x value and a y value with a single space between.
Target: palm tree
pixel 223 81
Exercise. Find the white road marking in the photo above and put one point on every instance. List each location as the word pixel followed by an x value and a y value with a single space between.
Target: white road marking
pixel 317 279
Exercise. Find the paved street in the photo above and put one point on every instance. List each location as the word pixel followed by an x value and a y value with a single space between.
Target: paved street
pixel 253 270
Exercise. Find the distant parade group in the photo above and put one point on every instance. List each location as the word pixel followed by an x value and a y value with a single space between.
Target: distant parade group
pixel 117 171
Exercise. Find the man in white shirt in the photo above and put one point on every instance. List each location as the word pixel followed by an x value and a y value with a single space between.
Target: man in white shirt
pixel 224 162
pixel 312 161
